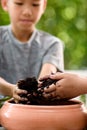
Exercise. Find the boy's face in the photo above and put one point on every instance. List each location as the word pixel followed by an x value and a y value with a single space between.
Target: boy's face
pixel 24 14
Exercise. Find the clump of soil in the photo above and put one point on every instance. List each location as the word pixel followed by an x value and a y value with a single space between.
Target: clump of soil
pixel 34 94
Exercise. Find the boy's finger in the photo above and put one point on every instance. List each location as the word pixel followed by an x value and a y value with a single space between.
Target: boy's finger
pixel 45 77
pixel 22 91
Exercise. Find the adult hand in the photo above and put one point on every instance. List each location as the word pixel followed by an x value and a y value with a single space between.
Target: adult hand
pixel 68 86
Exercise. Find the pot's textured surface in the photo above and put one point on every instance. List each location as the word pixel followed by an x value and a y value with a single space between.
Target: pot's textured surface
pixel 33 117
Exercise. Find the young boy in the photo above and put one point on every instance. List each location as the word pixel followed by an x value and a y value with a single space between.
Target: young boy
pixel 24 50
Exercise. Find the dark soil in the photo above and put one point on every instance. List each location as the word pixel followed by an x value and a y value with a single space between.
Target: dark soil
pixel 34 94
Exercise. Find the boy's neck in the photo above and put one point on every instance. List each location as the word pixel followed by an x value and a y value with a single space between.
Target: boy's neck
pixel 23 36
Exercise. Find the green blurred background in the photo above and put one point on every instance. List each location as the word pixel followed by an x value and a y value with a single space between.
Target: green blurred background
pixel 66 19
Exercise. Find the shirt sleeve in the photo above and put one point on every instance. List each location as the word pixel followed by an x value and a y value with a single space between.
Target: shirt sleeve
pixel 55 56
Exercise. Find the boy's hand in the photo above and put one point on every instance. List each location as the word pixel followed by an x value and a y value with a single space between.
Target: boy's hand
pixel 17 92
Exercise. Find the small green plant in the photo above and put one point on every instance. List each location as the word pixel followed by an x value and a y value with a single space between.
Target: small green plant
pixel 2 100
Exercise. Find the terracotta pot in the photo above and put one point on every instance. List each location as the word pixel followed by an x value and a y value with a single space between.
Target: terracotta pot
pixel 69 116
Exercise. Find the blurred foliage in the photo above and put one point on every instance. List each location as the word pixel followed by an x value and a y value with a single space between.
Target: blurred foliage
pixel 66 19
pixel 2 100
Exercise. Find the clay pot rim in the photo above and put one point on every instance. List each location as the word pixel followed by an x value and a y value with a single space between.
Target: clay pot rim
pixel 62 107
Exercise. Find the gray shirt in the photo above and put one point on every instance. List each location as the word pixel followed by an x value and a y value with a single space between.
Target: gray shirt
pixel 20 60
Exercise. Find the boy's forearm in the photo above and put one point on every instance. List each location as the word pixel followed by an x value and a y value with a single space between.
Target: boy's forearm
pixel 47 68
pixel 6 88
